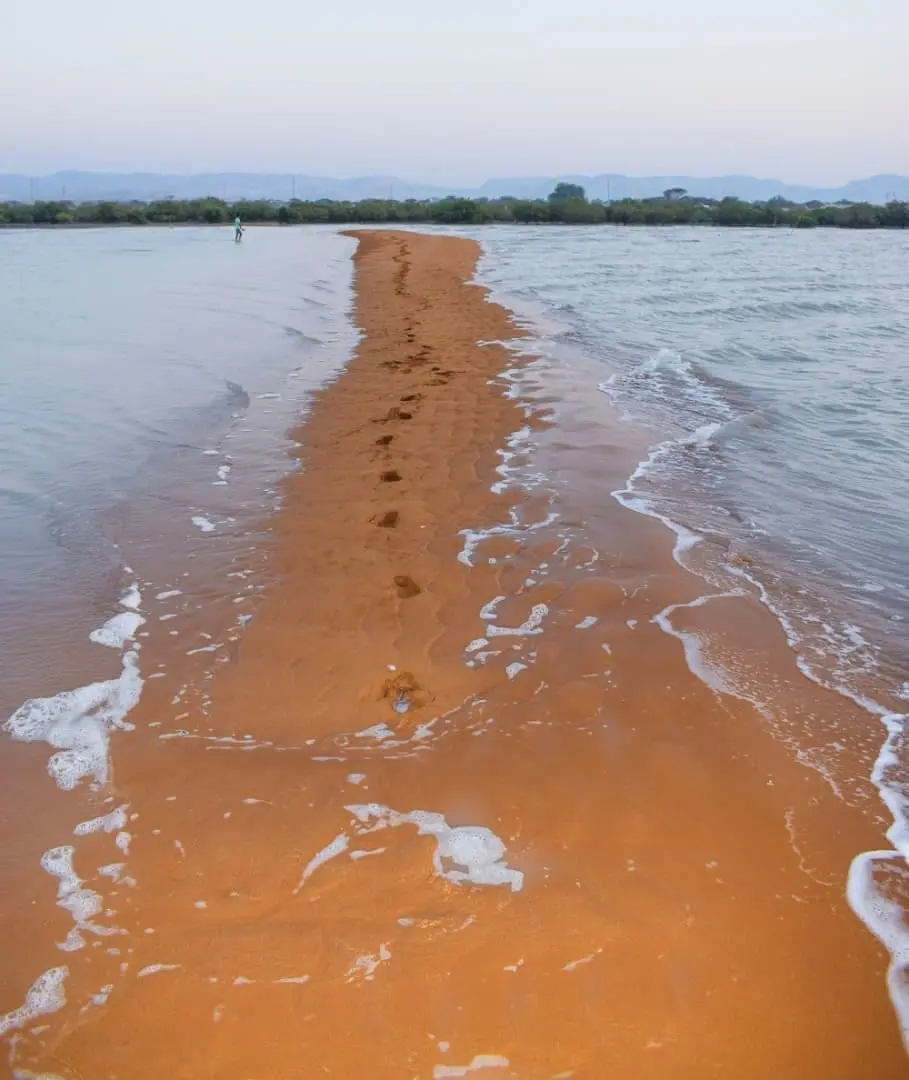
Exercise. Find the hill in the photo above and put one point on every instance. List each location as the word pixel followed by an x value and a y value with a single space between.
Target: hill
pixel 234 186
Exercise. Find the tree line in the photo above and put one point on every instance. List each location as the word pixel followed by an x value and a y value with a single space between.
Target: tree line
pixel 568 205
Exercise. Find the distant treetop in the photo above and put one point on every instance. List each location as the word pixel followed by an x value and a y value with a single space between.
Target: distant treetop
pixel 567 191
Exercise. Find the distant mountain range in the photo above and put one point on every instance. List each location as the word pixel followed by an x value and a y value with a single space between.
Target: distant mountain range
pixel 89 186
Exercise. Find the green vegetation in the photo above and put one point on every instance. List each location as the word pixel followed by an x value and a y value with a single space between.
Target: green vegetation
pixel 568 204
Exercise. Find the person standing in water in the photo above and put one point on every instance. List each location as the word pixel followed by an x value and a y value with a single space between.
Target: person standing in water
pixel 238 229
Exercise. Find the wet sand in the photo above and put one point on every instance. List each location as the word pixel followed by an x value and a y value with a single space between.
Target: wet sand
pixel 660 889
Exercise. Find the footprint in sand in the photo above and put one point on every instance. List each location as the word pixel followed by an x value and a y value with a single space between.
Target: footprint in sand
pixel 406 586
pixel 404 693
pixel 388 520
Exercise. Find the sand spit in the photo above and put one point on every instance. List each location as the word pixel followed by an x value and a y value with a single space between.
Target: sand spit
pixel 562 854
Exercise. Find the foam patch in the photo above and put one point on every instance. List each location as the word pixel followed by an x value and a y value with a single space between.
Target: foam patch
pixel 480 1061
pixel 117 632
pixel 464 853
pixel 46 995
pixel 78 723
pixel 330 851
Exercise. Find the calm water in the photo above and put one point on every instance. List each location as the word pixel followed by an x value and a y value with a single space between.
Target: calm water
pixel 153 372
pixel 772 369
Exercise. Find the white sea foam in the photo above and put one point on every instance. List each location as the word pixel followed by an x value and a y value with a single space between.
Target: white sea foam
pixel 666 360
pixel 667 374
pixel 112 822
pixel 464 853
pixel 330 851
pixel 691 644
pixel 702 437
pixel 118 631
pixel 513 444
pixel 488 610
pixel 169 594
pixel 480 1061
pixel 531 625
pixel 46 995
pixel 100 998
pixel 377 731
pixel 203 523
pixel 132 598
pixel 113 870
pixel 78 723
pixel 573 965
pixel 73 942
pixel 365 967
pixel 474 537
pixel 884 917
pixel 357 855
pixel 685 538
pixel 82 904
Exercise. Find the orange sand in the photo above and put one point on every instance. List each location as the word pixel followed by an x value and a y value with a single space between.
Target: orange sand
pixel 682 910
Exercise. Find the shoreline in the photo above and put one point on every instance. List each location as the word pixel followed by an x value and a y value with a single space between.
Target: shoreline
pixel 405 226
pixel 653 880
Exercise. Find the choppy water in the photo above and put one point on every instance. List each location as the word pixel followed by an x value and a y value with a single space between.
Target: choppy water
pixel 152 371
pixel 772 369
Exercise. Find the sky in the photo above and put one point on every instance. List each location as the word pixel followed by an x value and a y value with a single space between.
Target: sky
pixel 812 91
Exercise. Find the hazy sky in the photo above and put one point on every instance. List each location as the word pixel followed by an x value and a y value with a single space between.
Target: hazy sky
pixel 804 90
